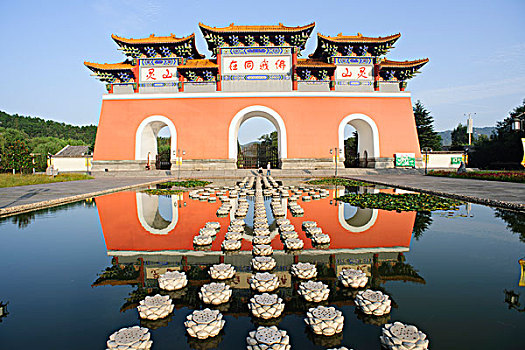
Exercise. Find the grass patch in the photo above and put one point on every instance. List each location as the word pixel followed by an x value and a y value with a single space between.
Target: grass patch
pixel 506 176
pixel 10 180
pixel 400 202
pixel 337 182
pixel 185 183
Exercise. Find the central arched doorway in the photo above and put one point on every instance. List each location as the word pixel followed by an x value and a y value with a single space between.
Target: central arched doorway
pixel 156 142
pixel 359 138
pixel 272 146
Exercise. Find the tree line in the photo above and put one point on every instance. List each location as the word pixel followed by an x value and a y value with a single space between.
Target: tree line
pixel 26 141
pixel 501 150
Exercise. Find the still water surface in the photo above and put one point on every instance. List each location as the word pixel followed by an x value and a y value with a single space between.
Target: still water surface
pixel 72 275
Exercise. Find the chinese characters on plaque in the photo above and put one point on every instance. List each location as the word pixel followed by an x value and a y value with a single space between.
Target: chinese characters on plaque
pixel 354 72
pixel 256 65
pixel 158 74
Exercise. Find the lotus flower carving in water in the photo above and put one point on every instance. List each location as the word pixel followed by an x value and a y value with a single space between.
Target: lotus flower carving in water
pixel 221 271
pixel 304 270
pixel 132 338
pixel 155 307
pixel 353 278
pixel 373 302
pixel 400 336
pixel 268 338
pixel 262 250
pixel 264 282
pixel 266 306
pixel 325 320
pixel 314 291
pixel 263 263
pixel 173 280
pixel 204 324
pixel 215 293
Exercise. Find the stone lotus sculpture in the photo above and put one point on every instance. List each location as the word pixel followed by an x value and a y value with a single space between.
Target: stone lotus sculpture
pixel 289 234
pixel 266 306
pixel 321 238
pixel 215 293
pixel 268 338
pixel 314 231
pixel 263 263
pixel 202 240
pixel 236 228
pixel 309 224
pixel 173 280
pixel 283 221
pixel 235 236
pixel 286 227
pixel 314 291
pixel 262 250
pixel 222 211
pixel 237 222
pixel 373 302
pixel 155 307
pixel 230 244
pixel 304 270
pixel 293 243
pixel 204 324
pixel 325 320
pixel 214 225
pixel 264 282
pixel 279 212
pixel 400 336
pixel 261 240
pixel 353 278
pixel 221 271
pixel 261 232
pixel 207 231
pixel 130 338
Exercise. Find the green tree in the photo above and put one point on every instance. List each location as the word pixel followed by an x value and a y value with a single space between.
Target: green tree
pixel 504 149
pixel 421 223
pixel 15 156
pixel 459 137
pixel 428 137
pixel 351 150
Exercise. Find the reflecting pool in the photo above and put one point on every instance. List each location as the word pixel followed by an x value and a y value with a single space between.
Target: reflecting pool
pixel 73 275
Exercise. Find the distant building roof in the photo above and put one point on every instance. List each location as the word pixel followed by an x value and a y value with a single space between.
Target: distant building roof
pixel 73 151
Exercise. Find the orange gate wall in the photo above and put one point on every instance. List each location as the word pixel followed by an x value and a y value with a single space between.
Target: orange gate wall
pixel 202 123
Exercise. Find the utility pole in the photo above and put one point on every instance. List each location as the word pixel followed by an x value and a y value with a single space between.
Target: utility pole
pixel 470 127
pixel 335 151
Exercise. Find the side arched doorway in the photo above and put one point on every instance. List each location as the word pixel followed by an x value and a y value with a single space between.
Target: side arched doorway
pixel 146 141
pixel 150 215
pixel 366 140
pixel 254 112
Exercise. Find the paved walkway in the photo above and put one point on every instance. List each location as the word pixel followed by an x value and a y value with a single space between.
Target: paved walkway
pixel 25 198
pixel 502 194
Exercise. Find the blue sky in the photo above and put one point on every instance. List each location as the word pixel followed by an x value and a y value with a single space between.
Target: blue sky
pixel 476 48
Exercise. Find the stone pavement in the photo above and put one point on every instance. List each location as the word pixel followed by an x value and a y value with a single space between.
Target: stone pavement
pixel 501 194
pixel 25 198
pixel 15 200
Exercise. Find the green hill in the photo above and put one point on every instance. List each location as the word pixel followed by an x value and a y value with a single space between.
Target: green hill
pixel 38 127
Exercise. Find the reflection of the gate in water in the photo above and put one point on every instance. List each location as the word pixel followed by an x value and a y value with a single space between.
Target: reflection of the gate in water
pixel 258 155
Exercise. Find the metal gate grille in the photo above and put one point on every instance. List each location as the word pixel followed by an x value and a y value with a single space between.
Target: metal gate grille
pixel 257 155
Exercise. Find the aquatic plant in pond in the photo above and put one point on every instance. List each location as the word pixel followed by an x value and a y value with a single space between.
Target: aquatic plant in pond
pixel 400 202
pixel 186 183
pixel 338 182
pixel 162 191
